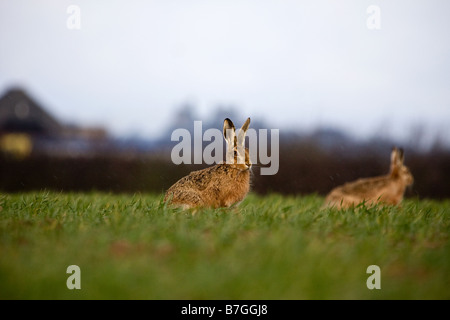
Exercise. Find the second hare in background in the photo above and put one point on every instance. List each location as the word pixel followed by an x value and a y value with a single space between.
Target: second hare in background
pixel 387 189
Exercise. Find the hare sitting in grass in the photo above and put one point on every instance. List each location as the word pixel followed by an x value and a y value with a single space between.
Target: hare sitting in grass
pixel 221 185
pixel 387 189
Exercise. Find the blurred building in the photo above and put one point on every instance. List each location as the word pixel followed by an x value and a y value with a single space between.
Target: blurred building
pixel 26 128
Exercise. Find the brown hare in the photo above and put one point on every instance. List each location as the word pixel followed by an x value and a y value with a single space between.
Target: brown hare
pixel 221 185
pixel 387 189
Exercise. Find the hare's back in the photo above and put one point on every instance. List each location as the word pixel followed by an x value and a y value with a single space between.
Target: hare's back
pixel 364 186
pixel 196 180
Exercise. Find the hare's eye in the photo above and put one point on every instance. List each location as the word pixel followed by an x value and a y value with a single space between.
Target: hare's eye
pixel 235 153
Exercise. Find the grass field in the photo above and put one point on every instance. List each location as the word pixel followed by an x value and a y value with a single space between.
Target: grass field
pixel 272 247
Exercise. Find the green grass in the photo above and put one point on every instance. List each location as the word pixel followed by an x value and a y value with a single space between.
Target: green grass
pixel 272 247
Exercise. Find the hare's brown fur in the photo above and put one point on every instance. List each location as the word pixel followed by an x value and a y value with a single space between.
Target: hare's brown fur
pixel 388 189
pixel 221 185
pixel 218 186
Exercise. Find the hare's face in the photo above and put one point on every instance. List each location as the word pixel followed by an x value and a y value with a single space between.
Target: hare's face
pixel 238 164
pixel 237 155
pixel 406 175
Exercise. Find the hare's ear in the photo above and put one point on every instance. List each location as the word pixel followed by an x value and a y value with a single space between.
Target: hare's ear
pixel 397 156
pixel 242 132
pixel 396 160
pixel 401 156
pixel 394 153
pixel 229 132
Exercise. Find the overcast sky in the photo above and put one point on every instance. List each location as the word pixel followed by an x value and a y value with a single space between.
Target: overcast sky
pixel 292 63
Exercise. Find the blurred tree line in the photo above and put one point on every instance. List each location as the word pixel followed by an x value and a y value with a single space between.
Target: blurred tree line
pixel 38 152
pixel 304 168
